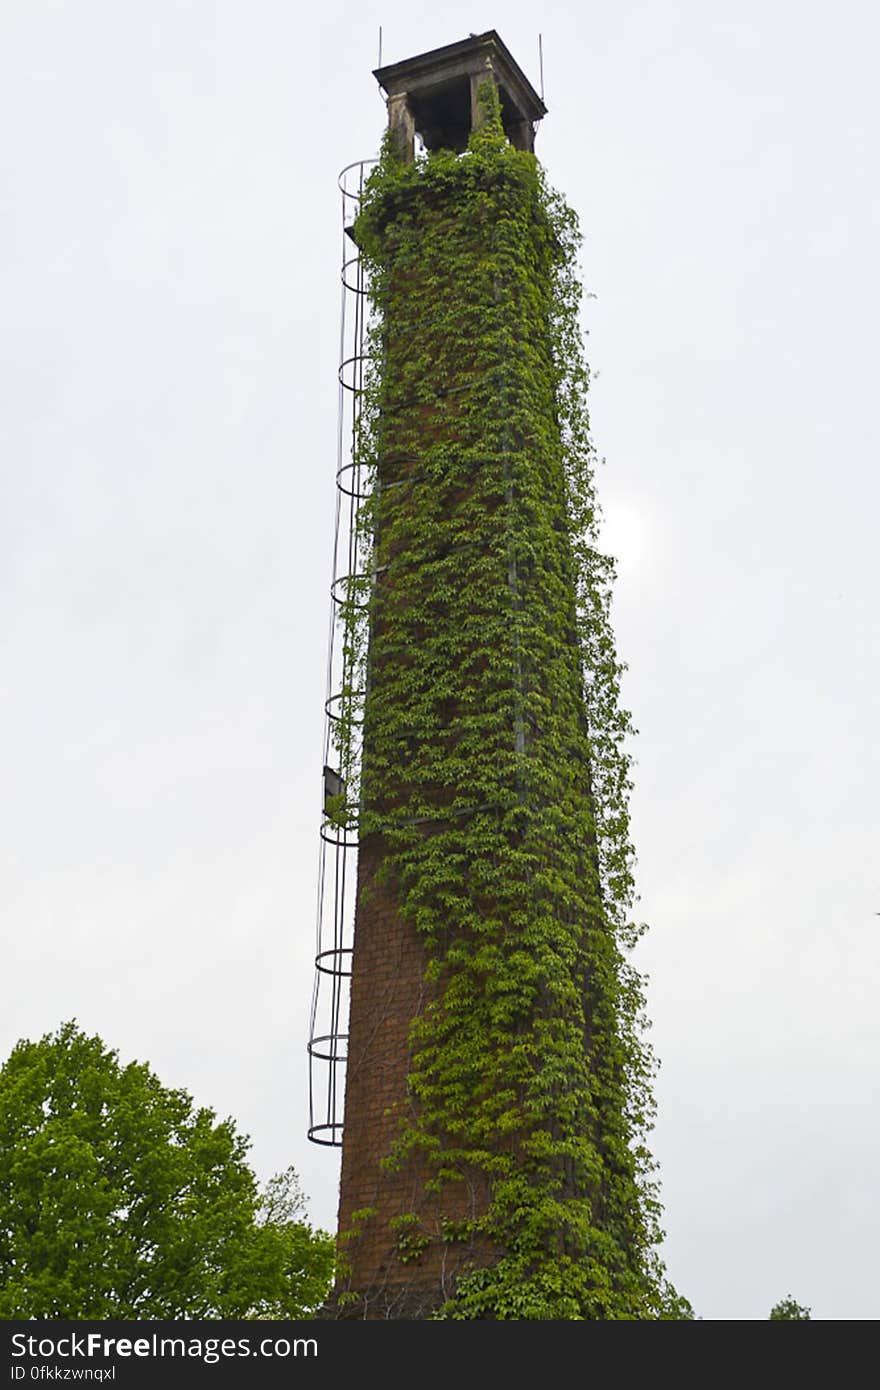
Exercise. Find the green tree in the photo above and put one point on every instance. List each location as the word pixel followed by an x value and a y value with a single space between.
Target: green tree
pixel 120 1199
pixel 307 1255
pixel 786 1310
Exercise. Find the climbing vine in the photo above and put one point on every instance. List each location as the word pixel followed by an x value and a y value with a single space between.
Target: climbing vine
pixel 494 768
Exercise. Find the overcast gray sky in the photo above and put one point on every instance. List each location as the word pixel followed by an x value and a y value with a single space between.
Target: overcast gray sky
pixel 169 258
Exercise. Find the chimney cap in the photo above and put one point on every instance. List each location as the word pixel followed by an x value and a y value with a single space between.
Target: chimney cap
pixel 444 74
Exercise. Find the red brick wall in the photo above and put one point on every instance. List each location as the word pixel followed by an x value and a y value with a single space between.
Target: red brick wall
pixel 388 992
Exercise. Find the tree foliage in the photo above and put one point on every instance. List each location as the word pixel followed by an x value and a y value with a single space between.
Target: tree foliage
pixel 787 1310
pixel 120 1199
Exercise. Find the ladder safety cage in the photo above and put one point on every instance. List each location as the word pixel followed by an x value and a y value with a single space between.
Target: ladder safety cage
pixel 343 706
